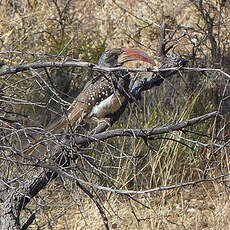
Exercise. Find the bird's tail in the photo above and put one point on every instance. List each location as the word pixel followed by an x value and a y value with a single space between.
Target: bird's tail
pixel 38 146
pixel 40 143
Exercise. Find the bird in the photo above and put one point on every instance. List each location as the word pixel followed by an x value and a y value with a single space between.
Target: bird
pixel 103 96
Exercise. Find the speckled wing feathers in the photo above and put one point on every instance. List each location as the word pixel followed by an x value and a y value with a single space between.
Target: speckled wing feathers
pixel 97 90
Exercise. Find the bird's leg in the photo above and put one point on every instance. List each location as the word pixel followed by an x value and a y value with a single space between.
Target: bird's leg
pixel 103 124
pixel 104 121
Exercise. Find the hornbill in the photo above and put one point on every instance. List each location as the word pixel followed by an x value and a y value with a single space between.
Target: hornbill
pixel 103 96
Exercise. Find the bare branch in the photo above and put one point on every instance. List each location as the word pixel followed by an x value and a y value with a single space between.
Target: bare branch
pixel 145 132
pixel 38 65
pixel 161 188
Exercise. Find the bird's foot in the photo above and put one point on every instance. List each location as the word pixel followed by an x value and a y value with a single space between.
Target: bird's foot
pixel 102 125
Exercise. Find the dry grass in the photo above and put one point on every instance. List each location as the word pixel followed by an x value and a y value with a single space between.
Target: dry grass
pixel 203 207
pixel 35 26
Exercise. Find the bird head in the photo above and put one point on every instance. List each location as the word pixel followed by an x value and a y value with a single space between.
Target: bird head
pixel 118 56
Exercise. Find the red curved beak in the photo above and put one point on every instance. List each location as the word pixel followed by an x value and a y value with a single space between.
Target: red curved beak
pixel 132 54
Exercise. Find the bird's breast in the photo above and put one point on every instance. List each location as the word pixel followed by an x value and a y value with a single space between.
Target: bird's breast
pixel 108 106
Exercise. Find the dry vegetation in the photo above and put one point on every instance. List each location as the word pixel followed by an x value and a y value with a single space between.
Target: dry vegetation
pixel 33 30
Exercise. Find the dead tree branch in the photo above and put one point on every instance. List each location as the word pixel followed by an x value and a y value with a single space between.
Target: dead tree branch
pixel 144 132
